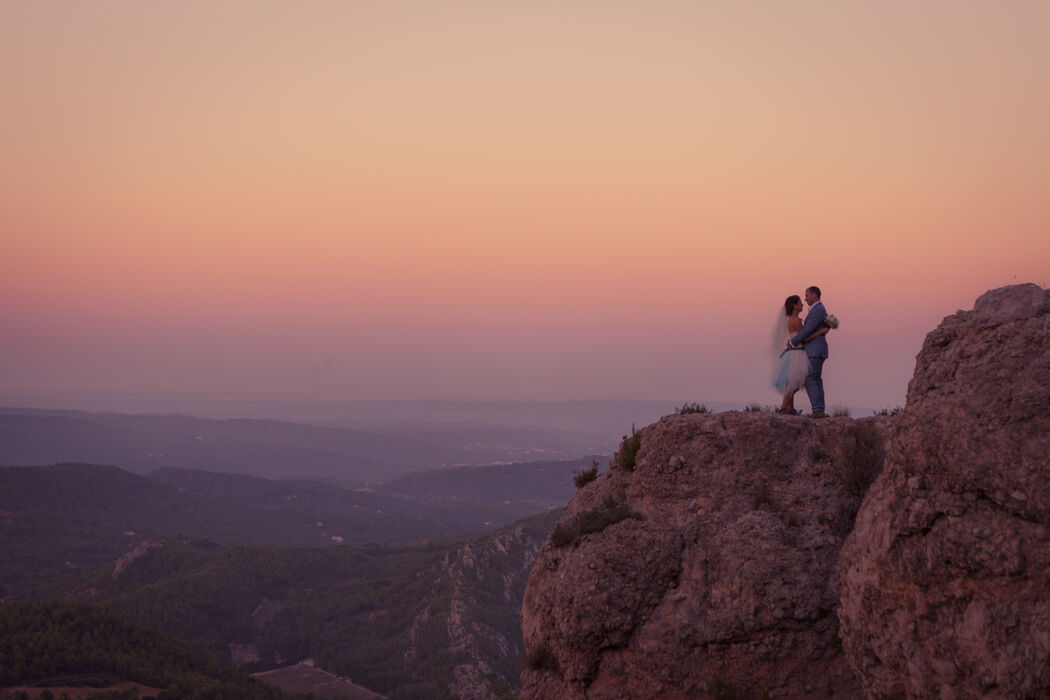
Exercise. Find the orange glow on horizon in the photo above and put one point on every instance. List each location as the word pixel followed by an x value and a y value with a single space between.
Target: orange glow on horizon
pixel 646 183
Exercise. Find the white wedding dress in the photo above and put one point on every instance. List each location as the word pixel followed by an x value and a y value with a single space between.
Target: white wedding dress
pixel 791 365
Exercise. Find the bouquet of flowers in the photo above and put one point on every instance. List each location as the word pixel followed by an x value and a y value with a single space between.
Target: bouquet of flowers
pixel 831 321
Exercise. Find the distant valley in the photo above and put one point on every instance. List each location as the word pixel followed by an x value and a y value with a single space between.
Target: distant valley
pixel 409 620
pixel 270 449
pixel 372 434
pixel 85 515
pixel 382 559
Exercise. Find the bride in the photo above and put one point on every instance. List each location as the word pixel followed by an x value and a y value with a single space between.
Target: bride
pixel 791 365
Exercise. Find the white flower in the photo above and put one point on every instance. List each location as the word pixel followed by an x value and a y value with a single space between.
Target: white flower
pixel 831 321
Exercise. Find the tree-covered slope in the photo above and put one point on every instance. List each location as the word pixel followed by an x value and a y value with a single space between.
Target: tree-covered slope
pixel 66 643
pixel 86 515
pixel 408 621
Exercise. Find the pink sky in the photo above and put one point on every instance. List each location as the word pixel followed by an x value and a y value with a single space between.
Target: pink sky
pixel 483 200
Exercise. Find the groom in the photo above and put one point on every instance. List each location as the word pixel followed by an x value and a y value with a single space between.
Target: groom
pixel 816 350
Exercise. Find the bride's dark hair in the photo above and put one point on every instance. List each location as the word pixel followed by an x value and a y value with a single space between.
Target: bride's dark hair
pixel 789 303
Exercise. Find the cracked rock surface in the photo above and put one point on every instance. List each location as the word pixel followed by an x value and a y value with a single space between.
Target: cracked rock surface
pixel 720 573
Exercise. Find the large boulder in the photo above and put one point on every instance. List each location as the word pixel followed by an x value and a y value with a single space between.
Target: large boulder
pixel 946 576
pixel 707 568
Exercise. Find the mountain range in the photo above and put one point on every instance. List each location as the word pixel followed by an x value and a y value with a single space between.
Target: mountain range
pixel 73 515
pixel 270 449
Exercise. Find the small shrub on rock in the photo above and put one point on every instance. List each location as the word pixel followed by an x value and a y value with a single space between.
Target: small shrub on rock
pixel 690 408
pixel 595 520
pixel 628 452
pixel 585 476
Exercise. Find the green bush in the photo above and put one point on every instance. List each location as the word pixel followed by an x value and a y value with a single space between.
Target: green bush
pixel 628 451
pixel 585 476
pixel 888 411
pixel 595 520
pixel 757 408
pixel 840 412
pixel 687 408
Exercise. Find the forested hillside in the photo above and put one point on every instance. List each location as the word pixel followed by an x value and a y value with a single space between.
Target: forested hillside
pixel 410 621
pixel 86 515
pixel 541 485
pixel 382 587
pixel 72 644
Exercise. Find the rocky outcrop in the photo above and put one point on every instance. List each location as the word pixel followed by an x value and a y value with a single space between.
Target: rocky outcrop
pixel 946 578
pixel 140 550
pixel 477 590
pixel 487 577
pixel 717 563
pixel 709 567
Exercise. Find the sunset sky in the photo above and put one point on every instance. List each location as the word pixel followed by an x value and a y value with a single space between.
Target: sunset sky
pixel 507 200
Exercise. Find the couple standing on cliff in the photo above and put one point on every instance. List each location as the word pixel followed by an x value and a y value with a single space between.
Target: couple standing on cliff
pixel 801 363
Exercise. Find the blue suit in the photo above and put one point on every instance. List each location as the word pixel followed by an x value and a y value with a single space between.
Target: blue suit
pixel 817 352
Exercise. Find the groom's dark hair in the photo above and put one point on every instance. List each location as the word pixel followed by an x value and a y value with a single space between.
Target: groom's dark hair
pixel 815 289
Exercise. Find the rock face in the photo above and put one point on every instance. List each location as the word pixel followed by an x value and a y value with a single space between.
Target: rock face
pixel 708 568
pixel 137 553
pixel 946 578
pixel 486 579
pixel 719 565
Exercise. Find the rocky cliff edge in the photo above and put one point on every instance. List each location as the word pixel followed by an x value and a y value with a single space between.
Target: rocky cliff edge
pixel 709 565
pixel 946 576
pixel 719 552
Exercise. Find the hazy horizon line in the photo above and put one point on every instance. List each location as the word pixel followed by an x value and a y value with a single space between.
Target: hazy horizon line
pixel 6 395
